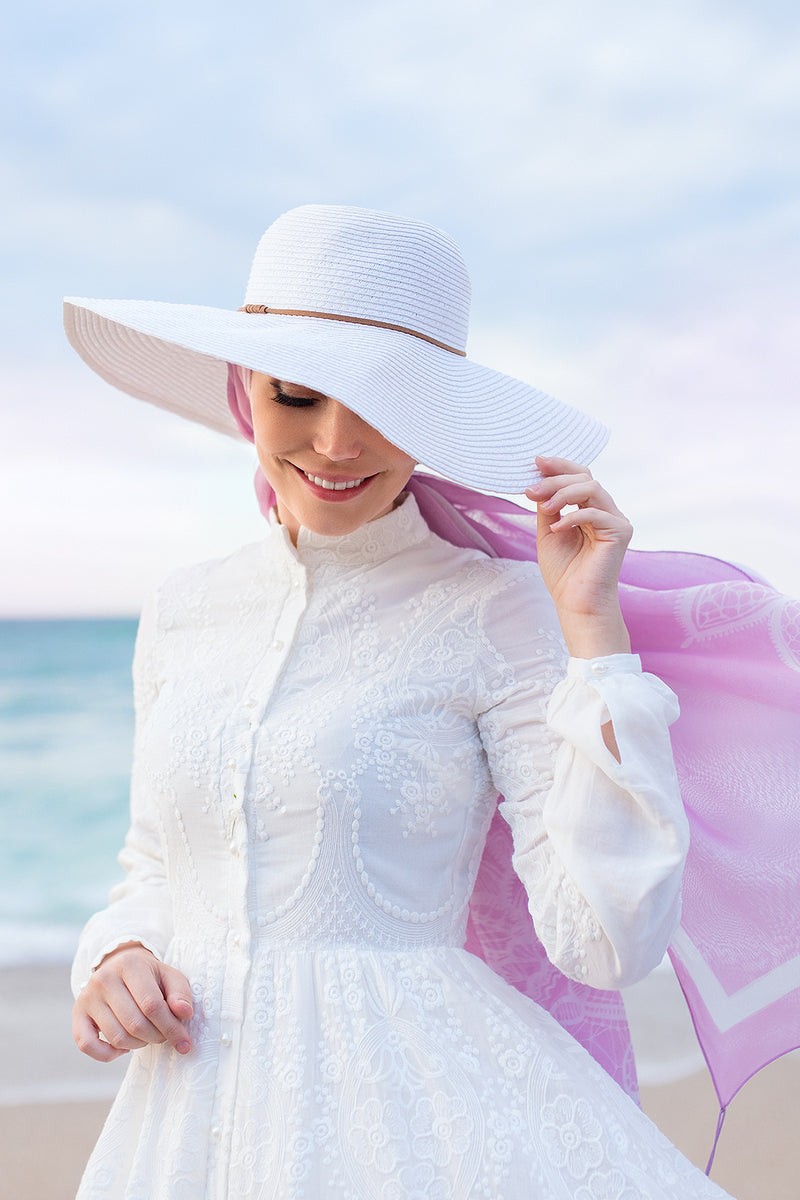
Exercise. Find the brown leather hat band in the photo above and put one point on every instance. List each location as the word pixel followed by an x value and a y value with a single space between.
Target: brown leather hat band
pixel 296 312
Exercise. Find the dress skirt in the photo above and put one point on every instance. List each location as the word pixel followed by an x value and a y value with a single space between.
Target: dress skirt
pixel 365 1075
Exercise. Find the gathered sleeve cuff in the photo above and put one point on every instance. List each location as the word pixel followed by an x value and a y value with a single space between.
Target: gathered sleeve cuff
pixel 83 965
pixel 599 844
pixel 619 826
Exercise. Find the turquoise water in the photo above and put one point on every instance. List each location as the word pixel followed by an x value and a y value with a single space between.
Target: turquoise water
pixel 66 726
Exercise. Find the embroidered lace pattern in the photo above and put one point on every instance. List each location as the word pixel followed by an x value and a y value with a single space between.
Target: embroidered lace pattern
pixel 321 737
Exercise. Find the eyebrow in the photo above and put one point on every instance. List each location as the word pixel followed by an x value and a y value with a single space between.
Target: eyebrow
pixel 283 384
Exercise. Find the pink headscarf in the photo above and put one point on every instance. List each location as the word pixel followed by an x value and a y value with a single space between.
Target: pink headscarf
pixel 729 646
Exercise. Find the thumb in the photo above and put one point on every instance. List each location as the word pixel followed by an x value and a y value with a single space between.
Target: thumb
pixel 544 520
pixel 177 993
pixel 544 528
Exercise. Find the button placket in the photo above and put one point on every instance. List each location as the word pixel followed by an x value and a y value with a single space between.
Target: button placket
pixel 238 755
pixel 262 681
pixel 264 677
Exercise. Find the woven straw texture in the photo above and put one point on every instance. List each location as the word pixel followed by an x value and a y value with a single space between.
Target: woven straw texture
pixel 468 422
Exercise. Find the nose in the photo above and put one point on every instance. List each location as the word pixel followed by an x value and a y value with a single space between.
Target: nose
pixel 338 432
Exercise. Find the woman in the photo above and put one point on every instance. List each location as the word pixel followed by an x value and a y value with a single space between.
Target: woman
pixel 324 721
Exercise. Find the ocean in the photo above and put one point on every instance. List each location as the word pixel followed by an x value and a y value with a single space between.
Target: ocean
pixel 66 729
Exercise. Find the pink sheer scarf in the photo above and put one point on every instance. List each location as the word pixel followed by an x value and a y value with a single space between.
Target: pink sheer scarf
pixel 729 646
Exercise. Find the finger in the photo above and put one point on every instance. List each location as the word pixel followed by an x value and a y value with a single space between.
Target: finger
pixel 138 1025
pixel 124 1031
pixel 180 1001
pixel 135 986
pixel 605 525
pixel 121 1008
pixel 548 466
pixel 177 992
pixel 545 489
pixel 157 1014
pixel 546 522
pixel 582 494
pixel 87 1039
pixel 120 1017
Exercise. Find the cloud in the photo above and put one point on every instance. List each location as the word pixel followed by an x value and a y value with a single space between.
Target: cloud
pixel 588 117
pixel 57 243
pixel 705 428
pixel 104 495
pixel 622 179
pixel 569 150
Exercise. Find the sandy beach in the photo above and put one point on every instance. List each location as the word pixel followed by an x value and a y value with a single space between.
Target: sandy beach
pixel 53 1100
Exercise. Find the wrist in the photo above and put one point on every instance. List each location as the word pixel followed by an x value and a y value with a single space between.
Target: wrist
pixel 119 949
pixel 593 636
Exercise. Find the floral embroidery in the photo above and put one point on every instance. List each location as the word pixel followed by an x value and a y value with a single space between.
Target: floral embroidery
pixel 571 1134
pixel 440 1128
pixel 379 1135
pixel 417 1183
pixel 607 1185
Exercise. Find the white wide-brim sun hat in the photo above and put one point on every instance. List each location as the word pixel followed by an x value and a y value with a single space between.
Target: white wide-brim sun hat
pixel 367 307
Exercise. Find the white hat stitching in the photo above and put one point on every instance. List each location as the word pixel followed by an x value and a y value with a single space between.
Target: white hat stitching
pixel 472 424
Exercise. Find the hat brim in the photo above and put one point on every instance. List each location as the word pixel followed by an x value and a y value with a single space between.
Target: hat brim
pixel 473 425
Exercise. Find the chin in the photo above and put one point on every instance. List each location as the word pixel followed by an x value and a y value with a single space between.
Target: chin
pixel 332 518
pixel 337 523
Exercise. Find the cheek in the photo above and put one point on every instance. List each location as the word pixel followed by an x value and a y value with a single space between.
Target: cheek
pixel 269 431
pixel 404 464
pixel 395 460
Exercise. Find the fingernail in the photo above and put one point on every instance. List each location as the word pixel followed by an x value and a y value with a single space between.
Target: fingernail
pixel 183 1047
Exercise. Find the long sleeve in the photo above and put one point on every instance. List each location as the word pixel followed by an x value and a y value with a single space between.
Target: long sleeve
pixel 140 907
pixel 599 844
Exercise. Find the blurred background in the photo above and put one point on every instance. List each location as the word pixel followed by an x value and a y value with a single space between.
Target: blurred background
pixel 622 179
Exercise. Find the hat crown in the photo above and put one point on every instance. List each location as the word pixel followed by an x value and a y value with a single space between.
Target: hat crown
pixel 356 262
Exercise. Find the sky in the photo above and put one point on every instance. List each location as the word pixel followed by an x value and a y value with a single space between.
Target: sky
pixel 622 179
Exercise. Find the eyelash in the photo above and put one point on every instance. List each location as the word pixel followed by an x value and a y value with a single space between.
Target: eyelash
pixel 293 401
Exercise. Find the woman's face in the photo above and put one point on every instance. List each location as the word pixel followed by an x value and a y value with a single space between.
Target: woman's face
pixel 331 471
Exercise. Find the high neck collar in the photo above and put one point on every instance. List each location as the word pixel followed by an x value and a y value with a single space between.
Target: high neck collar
pixel 368 545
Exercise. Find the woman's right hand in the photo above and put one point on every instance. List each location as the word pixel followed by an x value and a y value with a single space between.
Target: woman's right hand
pixel 132 1000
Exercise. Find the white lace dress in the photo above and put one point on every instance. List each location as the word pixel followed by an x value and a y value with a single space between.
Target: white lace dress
pixel 321 736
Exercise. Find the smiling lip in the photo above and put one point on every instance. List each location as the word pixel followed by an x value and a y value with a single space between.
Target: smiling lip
pixel 327 487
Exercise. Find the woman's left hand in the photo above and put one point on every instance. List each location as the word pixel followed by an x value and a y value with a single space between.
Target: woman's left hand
pixel 580 554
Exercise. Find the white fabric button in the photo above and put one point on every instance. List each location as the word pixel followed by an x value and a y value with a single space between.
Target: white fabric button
pixel 232 764
pixel 237 939
pixel 599 668
pixel 226 1039
pixel 216 1132
pixel 277 644
pixel 233 847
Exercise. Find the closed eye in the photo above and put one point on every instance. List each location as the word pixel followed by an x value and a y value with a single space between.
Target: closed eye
pixel 293 401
